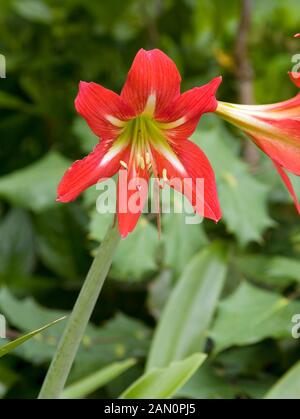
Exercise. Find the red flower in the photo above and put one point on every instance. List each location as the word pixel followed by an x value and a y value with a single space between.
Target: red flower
pixel 145 129
pixel 275 129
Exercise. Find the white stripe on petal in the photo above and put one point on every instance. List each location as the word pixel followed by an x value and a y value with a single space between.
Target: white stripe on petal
pixel 115 121
pixel 113 152
pixel 150 105
pixel 173 159
pixel 174 124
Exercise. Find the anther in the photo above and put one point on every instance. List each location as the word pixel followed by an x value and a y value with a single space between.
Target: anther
pixel 147 158
pixel 164 175
pixel 122 163
pixel 141 162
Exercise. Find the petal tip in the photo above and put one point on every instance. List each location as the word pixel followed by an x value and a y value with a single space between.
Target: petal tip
pixel 295 77
pixel 215 83
pixel 63 198
pixel 123 234
pixel 82 84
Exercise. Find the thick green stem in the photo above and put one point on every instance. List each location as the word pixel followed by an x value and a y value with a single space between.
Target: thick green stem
pixel 67 348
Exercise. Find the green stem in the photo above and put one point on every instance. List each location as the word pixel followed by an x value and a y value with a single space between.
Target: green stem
pixel 67 348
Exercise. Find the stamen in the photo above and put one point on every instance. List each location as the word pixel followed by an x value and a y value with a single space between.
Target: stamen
pixel 147 158
pixel 122 163
pixel 141 162
pixel 164 175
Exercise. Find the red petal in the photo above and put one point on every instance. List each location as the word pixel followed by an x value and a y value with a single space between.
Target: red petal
pixel 288 184
pixel 295 77
pixel 95 104
pixel 197 166
pixel 286 154
pixel 189 108
pixel 87 172
pixel 297 35
pixel 152 73
pixel 132 196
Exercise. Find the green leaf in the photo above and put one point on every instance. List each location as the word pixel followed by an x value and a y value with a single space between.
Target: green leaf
pixel 8 101
pixel 33 10
pixel 59 235
pixel 243 198
pixel 136 257
pixel 261 314
pixel 158 292
pixel 212 382
pixel 288 387
pixel 119 338
pixel 27 315
pixel 87 138
pixel 277 271
pixel 163 383
pixel 191 238
pixel 7 348
pixel 185 320
pixel 207 384
pixel 34 187
pixel 7 378
pixel 17 248
pixel 99 224
pixel 89 384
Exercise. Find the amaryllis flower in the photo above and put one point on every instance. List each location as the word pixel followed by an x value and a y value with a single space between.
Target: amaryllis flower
pixel 275 129
pixel 145 131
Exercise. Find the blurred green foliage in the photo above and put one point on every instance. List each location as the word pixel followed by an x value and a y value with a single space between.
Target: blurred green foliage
pixel 243 320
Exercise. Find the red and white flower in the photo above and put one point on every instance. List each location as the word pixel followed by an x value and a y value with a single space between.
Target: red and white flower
pixel 145 130
pixel 275 129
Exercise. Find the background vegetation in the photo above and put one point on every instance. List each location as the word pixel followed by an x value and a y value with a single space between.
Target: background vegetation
pixel 231 288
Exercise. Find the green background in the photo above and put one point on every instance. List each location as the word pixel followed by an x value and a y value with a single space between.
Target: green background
pixel 238 280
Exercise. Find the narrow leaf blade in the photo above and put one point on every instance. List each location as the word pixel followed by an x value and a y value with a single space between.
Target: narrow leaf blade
pixel 94 381
pixel 163 383
pixel 5 349
pixel 185 320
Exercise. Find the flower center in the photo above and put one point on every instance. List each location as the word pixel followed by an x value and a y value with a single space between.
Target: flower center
pixel 142 133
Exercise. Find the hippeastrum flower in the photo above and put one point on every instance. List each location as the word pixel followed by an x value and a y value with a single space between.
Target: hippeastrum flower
pixel 275 129
pixel 145 130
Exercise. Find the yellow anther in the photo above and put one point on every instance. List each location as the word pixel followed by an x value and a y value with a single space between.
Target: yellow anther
pixel 141 162
pixel 164 175
pixel 122 163
pixel 147 158
pixel 161 183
